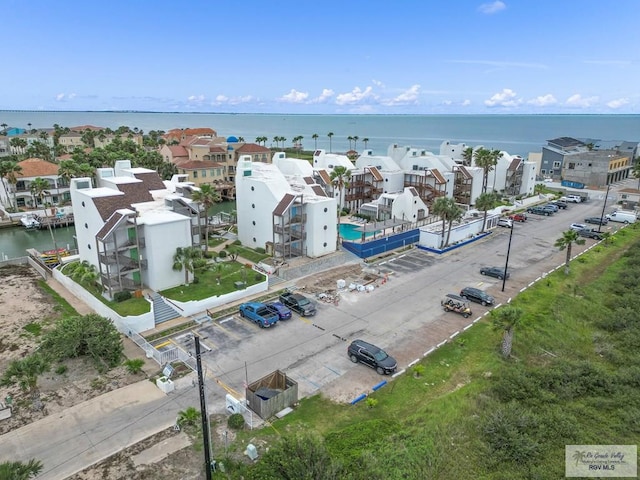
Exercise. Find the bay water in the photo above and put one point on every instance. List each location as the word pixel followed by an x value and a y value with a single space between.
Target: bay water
pixel 515 134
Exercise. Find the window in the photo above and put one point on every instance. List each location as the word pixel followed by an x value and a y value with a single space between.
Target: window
pixel 557 164
pixel 572 166
pixel 543 171
pixel 195 174
pixel 204 173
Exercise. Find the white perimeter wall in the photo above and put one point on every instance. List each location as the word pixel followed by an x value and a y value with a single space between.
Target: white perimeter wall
pixel 161 242
pixel 321 227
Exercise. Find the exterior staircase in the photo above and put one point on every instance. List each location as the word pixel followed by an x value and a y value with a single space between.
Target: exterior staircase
pixel 162 311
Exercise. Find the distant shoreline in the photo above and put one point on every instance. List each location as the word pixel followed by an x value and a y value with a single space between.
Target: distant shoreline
pixel 154 112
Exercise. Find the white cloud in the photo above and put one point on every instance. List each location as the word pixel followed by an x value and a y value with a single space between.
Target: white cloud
pixel 579 102
pixel 408 97
pixel 620 102
pixel 491 8
pixel 355 96
pixel 543 100
pixel 505 98
pixel 196 98
pixel 324 97
pixel 294 97
pixel 378 83
pixel 63 97
pixel 224 100
pixel 466 102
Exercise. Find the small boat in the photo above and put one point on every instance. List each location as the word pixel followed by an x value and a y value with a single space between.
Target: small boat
pixel 29 221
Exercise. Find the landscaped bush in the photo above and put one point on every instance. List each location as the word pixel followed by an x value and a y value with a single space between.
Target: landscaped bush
pixel 235 421
pixel 122 296
pixel 222 254
pixel 260 250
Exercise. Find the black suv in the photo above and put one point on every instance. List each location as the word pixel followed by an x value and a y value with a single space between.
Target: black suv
pixel 477 295
pixel 587 233
pixel 496 272
pixel 372 356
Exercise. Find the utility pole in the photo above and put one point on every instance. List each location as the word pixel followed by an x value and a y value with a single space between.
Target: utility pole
pixel 506 265
pixel 203 412
pixel 603 207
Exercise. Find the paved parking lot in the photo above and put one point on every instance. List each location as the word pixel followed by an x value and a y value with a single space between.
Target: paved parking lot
pixel 403 315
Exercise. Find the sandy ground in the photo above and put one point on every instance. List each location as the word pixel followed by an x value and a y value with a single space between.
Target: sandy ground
pixel 27 311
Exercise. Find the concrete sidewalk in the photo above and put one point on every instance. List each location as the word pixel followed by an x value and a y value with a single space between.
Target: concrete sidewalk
pixel 87 433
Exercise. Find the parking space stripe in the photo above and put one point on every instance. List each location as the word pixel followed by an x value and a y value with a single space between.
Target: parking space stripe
pixel 228 332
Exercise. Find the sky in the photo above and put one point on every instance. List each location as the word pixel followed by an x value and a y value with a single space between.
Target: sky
pixel 322 57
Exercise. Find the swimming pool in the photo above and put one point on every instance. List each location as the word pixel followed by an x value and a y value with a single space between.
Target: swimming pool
pixel 348 232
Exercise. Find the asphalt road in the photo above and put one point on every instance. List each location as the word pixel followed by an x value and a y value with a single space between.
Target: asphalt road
pixel 403 316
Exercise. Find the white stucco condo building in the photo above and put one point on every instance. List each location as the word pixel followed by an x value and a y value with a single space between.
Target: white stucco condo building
pixel 288 215
pixel 130 226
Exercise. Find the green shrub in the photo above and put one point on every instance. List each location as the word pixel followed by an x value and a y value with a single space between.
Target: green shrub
pixel 235 421
pixel 61 369
pixel 196 280
pixel 222 254
pixel 122 296
pixel 237 242
pixel 134 365
pixel 260 250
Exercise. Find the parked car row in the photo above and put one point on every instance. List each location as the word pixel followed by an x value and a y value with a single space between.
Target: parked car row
pixel 268 314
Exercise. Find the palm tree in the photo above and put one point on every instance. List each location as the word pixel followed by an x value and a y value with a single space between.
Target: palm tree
pixel 495 156
pixel 454 214
pixel 539 188
pixel 484 202
pixel 4 127
pixel 506 319
pixel 188 417
pixel 350 138
pixel 19 470
pixel 187 258
pixel 19 144
pixel 355 142
pixel 484 159
pixel 241 139
pixel 206 196
pixel 366 142
pixel 315 141
pixel 84 273
pixel 340 177
pixel 330 134
pixel 40 191
pixel 25 372
pixel 8 170
pixel 467 156
pixel 29 125
pixel 440 207
pixel 566 241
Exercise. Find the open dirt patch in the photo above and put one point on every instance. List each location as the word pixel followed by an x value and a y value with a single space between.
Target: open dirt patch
pixel 26 312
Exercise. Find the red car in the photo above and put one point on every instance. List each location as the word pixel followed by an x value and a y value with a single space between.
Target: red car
pixel 518 217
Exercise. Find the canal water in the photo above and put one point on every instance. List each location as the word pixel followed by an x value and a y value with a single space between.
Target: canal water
pixel 15 241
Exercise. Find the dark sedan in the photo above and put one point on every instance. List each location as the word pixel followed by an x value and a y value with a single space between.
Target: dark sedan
pixel 496 272
pixel 597 220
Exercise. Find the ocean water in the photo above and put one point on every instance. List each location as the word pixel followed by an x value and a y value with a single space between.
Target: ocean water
pixel 515 134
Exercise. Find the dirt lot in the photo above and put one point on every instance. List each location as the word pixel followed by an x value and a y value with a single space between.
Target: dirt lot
pixel 27 310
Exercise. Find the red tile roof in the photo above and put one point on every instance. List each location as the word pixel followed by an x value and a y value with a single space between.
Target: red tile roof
pixel 178 151
pixel 36 167
pixel 82 128
pixel 190 131
pixel 198 164
pixel 252 148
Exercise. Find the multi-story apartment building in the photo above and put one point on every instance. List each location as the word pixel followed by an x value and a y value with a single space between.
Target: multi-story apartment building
pixel 287 214
pixel 130 225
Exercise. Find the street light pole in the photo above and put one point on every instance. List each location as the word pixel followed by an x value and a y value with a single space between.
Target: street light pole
pixel 506 265
pixel 603 207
